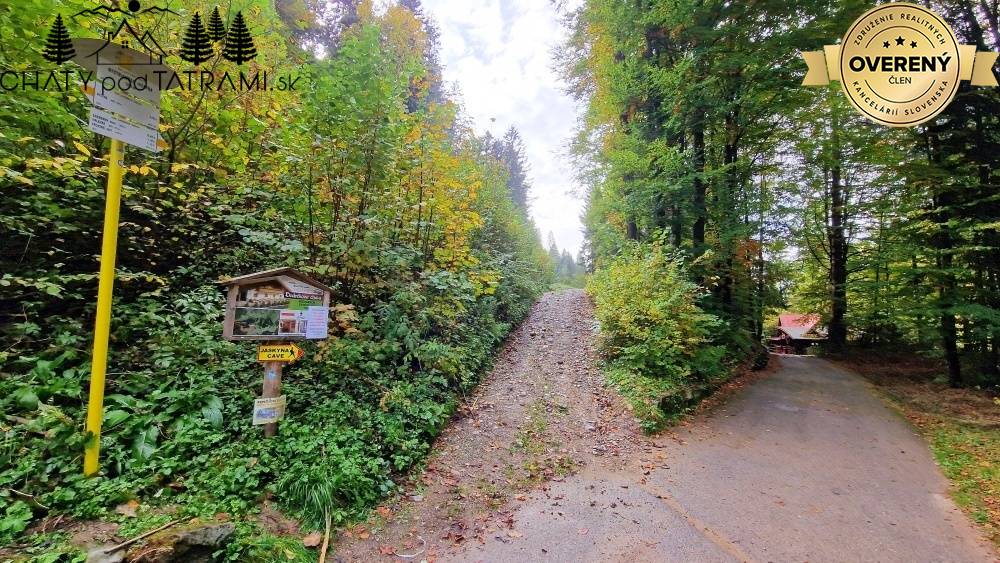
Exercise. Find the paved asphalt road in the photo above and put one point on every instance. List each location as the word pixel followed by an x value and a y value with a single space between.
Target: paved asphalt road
pixel 805 464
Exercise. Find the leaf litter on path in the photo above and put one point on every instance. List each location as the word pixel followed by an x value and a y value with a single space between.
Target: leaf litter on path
pixel 543 413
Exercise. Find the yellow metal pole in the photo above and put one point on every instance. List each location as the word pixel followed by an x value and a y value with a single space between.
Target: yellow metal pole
pixel 99 365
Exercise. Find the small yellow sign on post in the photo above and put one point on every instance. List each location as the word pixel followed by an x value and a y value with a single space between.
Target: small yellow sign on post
pixel 279 353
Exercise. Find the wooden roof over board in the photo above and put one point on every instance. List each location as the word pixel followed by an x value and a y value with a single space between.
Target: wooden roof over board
pixel 267 274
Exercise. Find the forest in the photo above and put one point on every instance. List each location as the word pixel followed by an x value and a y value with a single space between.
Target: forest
pixel 703 153
pixel 719 192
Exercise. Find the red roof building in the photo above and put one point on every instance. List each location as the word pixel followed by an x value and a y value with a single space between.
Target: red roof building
pixel 796 332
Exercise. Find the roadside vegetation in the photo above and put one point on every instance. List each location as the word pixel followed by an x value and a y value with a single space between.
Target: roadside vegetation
pixel 722 192
pixel 699 142
pixel 663 351
pixel 366 178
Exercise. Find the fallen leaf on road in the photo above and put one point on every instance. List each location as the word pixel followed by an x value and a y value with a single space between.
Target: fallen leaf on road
pixel 515 534
pixel 583 531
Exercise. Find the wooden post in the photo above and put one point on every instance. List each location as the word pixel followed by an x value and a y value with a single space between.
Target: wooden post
pixel 227 325
pixel 272 388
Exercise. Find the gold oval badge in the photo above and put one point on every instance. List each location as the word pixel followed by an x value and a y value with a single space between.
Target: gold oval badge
pixel 899 64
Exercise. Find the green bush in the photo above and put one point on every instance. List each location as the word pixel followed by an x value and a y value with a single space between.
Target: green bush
pixel 658 343
pixel 363 408
pixel 363 179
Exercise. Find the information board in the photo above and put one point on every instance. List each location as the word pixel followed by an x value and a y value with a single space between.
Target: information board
pixel 280 308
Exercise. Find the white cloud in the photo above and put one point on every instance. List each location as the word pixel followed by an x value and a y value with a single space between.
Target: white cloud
pixel 499 53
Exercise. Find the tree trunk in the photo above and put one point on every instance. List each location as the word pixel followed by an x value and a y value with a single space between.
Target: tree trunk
pixel 949 332
pixel 942 241
pixel 760 265
pixel 676 225
pixel 660 214
pixel 700 213
pixel 729 221
pixel 838 246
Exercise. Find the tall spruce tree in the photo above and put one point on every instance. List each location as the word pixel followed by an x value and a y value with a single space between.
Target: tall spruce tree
pixel 512 153
pixel 239 44
pixel 196 47
pixel 58 46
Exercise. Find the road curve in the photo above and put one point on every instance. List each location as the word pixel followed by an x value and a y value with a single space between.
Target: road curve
pixel 804 464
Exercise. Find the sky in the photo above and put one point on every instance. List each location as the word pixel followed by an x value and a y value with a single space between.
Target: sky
pixel 499 55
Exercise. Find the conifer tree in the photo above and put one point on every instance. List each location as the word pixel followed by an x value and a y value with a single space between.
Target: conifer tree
pixel 239 44
pixel 216 27
pixel 58 47
pixel 512 154
pixel 197 46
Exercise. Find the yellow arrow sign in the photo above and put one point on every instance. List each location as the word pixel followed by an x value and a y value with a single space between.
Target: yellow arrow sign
pixel 279 353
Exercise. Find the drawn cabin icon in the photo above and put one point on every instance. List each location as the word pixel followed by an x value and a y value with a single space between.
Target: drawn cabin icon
pixel 277 305
pixel 145 44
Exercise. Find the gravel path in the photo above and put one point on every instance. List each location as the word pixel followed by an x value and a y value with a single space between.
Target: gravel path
pixel 542 415
pixel 544 463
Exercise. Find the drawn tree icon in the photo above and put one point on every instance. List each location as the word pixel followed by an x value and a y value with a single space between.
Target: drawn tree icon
pixel 58 47
pixel 239 45
pixel 196 47
pixel 216 29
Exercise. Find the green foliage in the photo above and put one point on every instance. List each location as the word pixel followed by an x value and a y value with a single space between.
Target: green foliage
pixel 681 101
pixel 15 519
pixel 567 271
pixel 968 456
pixel 361 177
pixel 658 341
pixel 698 134
pixel 254 545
